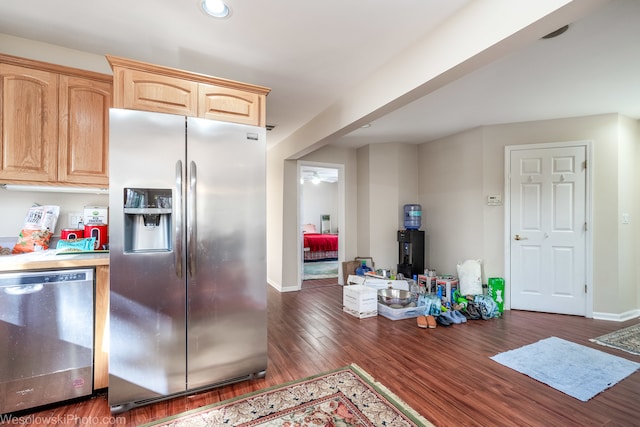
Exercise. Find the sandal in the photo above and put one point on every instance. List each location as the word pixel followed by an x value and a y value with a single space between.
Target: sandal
pixel 422 322
pixel 431 322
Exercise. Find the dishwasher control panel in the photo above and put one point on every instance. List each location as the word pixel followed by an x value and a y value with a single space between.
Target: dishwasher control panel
pixel 42 277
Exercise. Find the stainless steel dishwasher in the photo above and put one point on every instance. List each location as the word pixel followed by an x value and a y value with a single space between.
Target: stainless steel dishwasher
pixel 46 336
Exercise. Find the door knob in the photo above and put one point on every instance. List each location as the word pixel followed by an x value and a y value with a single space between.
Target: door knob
pixel 517 237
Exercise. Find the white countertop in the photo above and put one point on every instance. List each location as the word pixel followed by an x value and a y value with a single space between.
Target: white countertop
pixel 51 259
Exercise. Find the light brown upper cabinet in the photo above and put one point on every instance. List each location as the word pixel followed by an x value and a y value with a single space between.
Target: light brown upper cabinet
pixel 142 86
pixel 55 123
pixel 29 123
pixel 84 130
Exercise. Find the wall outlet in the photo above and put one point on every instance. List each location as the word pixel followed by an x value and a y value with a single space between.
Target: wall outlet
pixel 75 218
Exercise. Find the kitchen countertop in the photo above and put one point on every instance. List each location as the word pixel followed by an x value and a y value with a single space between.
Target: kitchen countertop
pixel 49 259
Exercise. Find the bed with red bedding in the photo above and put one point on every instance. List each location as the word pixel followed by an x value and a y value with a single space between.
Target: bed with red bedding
pixel 320 246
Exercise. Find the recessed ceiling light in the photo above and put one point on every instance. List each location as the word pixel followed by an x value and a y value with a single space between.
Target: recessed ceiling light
pixel 216 8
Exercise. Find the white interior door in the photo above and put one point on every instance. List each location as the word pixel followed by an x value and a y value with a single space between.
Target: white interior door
pixel 548 229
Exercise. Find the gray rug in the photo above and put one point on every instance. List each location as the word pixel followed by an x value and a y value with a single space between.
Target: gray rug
pixel 627 339
pixel 320 270
pixel 579 371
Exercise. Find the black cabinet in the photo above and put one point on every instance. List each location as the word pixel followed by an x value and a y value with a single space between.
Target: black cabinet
pixel 410 252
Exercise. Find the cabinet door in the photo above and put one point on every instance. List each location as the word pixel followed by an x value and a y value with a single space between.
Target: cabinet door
pixel 151 92
pixel 230 105
pixel 84 131
pixel 28 119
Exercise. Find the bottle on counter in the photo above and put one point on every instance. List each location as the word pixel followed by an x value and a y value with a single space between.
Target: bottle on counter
pixel 360 271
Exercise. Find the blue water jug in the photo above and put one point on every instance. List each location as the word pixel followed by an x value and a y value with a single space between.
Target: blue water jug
pixel 412 216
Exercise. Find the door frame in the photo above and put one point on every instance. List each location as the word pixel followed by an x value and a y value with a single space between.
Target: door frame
pixel 341 214
pixel 588 215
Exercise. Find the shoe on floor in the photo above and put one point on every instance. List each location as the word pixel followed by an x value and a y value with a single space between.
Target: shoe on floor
pixel 443 321
pixel 450 317
pixel 458 315
pixel 473 311
pixel 431 322
pixel 422 322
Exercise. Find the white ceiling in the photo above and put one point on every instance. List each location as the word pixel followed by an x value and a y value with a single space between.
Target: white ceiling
pixel 593 68
pixel 308 173
pixel 311 52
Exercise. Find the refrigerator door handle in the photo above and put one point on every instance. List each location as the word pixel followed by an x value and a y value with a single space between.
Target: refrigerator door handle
pixel 192 233
pixel 177 209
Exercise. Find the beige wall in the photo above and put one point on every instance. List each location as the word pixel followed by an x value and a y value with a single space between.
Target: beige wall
pixel 458 173
pixel 363 196
pixel 53 54
pixel 387 180
pixel 283 256
pixel 628 283
pixel 451 193
pixel 275 211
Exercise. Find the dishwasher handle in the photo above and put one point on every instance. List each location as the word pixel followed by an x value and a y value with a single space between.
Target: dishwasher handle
pixel 23 290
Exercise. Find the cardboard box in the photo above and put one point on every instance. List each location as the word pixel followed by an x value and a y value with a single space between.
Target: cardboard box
pixel 360 301
pixel 349 267
pixel 427 284
pixel 400 313
pixel 445 288
pixel 95 215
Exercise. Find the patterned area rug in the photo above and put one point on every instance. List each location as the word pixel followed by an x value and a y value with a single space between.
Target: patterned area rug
pixel 627 339
pixel 320 270
pixel 347 397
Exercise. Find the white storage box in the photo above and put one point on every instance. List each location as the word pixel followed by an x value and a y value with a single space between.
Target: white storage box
pixel 384 283
pixel 360 301
pixel 355 280
pixel 400 313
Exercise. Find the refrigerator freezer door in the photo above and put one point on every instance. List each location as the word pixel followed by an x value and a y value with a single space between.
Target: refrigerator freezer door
pixel 226 313
pixel 147 305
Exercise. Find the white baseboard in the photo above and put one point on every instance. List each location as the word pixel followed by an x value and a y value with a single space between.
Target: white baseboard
pixel 279 287
pixel 617 317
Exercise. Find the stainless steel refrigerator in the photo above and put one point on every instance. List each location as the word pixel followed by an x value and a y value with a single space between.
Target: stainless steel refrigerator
pixel 187 247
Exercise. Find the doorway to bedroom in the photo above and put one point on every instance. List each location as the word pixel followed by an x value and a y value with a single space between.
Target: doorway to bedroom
pixel 319 219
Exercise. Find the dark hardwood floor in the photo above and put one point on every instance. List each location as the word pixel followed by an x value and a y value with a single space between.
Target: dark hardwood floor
pixel 443 373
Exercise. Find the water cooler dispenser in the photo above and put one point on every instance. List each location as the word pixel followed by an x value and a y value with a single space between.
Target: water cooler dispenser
pixel 411 242
pixel 147 222
pixel 411 252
